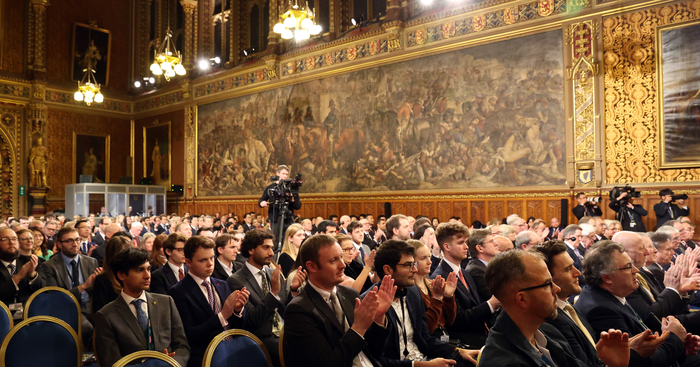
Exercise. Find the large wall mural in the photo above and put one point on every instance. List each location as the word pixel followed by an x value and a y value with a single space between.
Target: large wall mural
pixel 487 116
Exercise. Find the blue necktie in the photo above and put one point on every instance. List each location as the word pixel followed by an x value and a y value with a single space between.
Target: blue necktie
pixel 141 316
pixel 639 319
pixel 547 361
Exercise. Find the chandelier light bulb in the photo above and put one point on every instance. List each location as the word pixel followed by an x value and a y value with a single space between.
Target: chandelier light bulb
pixel 155 68
pixel 287 34
pixel 151 80
pixel 170 73
pixel 279 28
pixel 290 22
pixel 165 66
pixel 301 34
pixel 137 84
pixel 179 69
pixel 316 29
pixel 203 64
pixel 78 96
pixel 307 23
pixel 89 94
pixel 99 97
pixel 426 2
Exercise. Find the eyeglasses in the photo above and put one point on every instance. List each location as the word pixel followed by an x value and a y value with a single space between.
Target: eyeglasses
pixel 27 239
pixel 628 267
pixel 181 249
pixel 8 239
pixel 348 250
pixel 70 241
pixel 410 265
pixel 546 284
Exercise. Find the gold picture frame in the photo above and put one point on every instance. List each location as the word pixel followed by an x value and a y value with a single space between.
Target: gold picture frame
pixel 91 154
pixel 679 144
pixel 161 133
pixel 89 41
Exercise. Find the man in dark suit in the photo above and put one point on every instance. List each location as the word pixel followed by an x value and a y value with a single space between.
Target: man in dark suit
pixel 227 250
pixel 474 315
pixel 206 305
pixel 247 223
pixel 138 320
pixel 268 296
pixel 98 253
pixel 18 275
pixel 174 269
pixel 326 324
pixel 602 302
pixel 521 336
pixel 483 248
pixel 584 208
pixel 75 272
pixel 572 238
pixel 99 237
pixel 628 214
pixel 396 259
pixel 555 228
pixel 83 228
pixel 663 243
pixel 666 210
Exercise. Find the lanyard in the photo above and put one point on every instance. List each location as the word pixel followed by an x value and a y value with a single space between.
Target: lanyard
pixel 403 329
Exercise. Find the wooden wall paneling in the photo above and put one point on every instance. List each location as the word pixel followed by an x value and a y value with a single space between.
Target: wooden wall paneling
pixel 477 212
pixel 461 209
pixel 343 209
pixel 535 208
pixel 398 207
pixel 355 208
pixel 428 208
pixel 694 214
pixel 412 209
pixel 515 207
pixel 444 210
pixel 494 210
pixel 320 210
pixel 332 208
pixel 370 208
pixel 553 211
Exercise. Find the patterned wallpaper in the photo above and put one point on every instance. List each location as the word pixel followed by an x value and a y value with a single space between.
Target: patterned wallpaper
pixel 13 38
pixel 631 112
pixel 61 127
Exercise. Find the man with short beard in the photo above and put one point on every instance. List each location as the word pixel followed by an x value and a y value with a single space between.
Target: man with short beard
pixel 19 276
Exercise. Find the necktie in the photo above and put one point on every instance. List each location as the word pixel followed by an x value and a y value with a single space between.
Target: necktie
pixel 75 276
pixel 572 313
pixel 461 278
pixel 141 316
pixel 547 361
pixel 12 269
pixel 266 290
pixel 645 285
pixel 181 274
pixel 210 296
pixel 639 319
pixel 84 246
pixel 337 309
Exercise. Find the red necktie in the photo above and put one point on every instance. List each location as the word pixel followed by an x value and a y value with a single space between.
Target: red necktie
pixel 461 278
pixel 182 274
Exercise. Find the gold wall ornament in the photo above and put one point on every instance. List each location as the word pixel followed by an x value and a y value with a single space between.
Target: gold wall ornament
pixel 631 109
pixel 190 149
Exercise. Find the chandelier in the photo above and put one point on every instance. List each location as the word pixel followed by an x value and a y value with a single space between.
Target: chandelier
pixel 88 89
pixel 297 22
pixel 167 61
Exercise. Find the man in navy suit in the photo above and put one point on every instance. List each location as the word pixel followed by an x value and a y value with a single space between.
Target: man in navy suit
pixel 206 305
pixel 474 315
pixel 572 238
pixel 174 269
pixel 611 276
pixel 521 336
pixel 555 228
pixel 666 210
pixel 409 342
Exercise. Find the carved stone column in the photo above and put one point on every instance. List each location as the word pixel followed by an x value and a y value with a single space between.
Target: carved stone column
pixel 188 47
pixel 38 35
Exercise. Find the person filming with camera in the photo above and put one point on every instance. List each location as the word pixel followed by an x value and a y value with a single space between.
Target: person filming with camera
pixel 587 207
pixel 282 193
pixel 666 210
pixel 628 213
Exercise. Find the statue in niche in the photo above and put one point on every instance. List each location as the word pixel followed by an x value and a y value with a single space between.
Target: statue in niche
pixel 90 166
pixel 38 165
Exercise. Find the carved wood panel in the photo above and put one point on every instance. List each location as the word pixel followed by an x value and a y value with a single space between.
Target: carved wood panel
pixel 355 209
pixel 343 207
pixel 428 209
pixel 478 212
pixel 495 210
pixel 320 209
pixel 553 210
pixel 444 210
pixel 332 208
pixel 398 207
pixel 371 208
pixel 534 209
pixel 412 208
pixel 461 210
pixel 515 207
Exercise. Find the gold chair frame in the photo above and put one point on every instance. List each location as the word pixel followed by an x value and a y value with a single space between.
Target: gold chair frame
pixel 209 354
pixel 9 316
pixel 57 289
pixel 13 331
pixel 123 361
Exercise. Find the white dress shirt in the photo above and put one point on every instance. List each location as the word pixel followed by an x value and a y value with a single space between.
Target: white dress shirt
pixel 404 323
pixel 176 269
pixel 218 301
pixel 144 305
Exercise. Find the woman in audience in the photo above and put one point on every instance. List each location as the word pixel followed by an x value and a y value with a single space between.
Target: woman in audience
pixel 435 222
pixel 437 294
pixel 292 240
pixel 26 243
pixel 426 234
pixel 147 241
pixel 120 220
pixel 40 248
pixel 361 275
pixel 157 257
pixel 106 287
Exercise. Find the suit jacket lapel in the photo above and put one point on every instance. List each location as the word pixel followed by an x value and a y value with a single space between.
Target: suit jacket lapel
pixel 460 286
pixel 83 268
pixel 5 273
pixel 348 307
pixel 192 287
pixel 472 286
pixel 130 320
pixel 60 267
pixel 253 282
pixel 323 307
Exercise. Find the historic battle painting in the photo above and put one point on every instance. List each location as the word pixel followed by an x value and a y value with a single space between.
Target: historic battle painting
pixel 91 157
pixel 156 153
pixel 486 116
pixel 679 68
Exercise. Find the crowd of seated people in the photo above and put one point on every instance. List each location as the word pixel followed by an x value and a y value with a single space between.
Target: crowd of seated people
pixel 349 291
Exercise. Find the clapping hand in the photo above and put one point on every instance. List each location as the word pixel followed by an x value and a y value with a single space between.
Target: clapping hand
pixel 613 348
pixel 385 296
pixel 298 279
pixel 646 343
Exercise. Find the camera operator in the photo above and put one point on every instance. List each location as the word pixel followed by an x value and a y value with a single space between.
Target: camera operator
pixel 586 207
pixel 666 210
pixel 268 200
pixel 629 214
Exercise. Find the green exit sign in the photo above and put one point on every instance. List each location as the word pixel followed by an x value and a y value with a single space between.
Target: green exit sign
pixel 21 191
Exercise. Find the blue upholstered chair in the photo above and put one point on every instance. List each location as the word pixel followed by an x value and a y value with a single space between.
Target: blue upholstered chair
pixel 150 359
pixel 55 302
pixel 41 341
pixel 6 321
pixel 244 349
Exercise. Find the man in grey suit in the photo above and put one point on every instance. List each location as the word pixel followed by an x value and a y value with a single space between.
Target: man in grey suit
pixel 268 296
pixel 75 272
pixel 482 248
pixel 138 320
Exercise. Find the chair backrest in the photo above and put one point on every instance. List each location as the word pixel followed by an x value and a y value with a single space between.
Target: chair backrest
pixel 58 344
pixel 152 359
pixel 281 348
pixel 55 302
pixel 244 349
pixel 6 321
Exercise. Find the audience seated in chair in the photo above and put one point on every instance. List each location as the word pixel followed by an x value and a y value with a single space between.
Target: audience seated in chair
pixel 106 288
pixel 18 275
pixel 138 320
pixel 227 248
pixel 174 269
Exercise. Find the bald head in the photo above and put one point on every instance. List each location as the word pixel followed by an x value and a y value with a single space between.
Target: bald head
pixel 111 229
pixel 633 243
pixel 503 243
